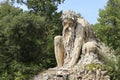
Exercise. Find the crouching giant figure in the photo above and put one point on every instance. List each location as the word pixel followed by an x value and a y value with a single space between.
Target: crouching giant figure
pixel 77 38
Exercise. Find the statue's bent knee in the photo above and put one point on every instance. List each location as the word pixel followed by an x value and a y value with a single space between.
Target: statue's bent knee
pixel 58 39
pixel 59 50
pixel 90 47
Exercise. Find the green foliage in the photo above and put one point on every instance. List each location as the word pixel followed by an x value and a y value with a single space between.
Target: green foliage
pixel 108 28
pixel 93 66
pixel 7 9
pixel 20 71
pixel 113 68
pixel 26 39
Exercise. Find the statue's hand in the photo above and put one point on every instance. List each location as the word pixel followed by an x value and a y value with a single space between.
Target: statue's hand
pixel 89 47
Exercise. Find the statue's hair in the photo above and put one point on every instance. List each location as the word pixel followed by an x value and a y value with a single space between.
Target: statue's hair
pixel 69 15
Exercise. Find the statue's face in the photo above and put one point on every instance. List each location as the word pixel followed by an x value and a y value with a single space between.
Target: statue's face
pixel 68 23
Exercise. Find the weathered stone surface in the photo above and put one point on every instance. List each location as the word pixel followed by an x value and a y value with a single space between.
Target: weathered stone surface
pixel 89 68
pixel 78 53
pixel 67 74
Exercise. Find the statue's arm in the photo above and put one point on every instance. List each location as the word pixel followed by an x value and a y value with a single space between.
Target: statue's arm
pixel 79 41
pixel 76 51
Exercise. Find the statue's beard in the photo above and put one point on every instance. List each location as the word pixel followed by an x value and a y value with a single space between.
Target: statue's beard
pixel 68 38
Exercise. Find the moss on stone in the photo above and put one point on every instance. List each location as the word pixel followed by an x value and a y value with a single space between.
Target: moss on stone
pixel 93 66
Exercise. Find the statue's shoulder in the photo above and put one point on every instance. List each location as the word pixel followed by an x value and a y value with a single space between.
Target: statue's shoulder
pixel 82 21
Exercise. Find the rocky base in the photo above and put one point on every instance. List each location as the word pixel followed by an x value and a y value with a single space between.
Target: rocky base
pixel 71 74
pixel 89 67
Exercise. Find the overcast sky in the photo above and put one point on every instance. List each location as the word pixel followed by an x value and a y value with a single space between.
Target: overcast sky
pixel 89 9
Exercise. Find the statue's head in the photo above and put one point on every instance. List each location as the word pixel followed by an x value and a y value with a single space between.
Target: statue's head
pixel 68 18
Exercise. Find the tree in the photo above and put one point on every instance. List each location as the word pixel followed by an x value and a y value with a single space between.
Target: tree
pixel 22 42
pixel 108 26
pixel 26 41
pixel 108 30
pixel 52 26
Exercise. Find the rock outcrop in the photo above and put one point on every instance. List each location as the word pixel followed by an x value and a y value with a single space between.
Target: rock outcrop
pixel 79 54
pixel 68 74
pixel 88 68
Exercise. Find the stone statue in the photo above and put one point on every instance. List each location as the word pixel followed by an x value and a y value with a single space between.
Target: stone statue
pixel 77 38
pixel 78 52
